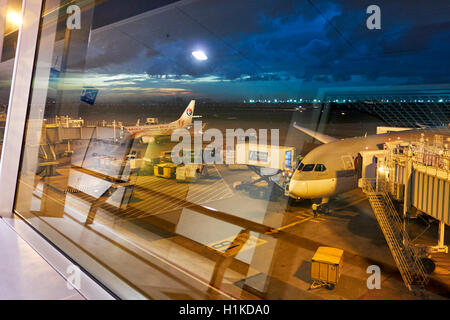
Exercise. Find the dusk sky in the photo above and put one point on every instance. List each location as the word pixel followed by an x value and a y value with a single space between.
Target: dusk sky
pixel 266 48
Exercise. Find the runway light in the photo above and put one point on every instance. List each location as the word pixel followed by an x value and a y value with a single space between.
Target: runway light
pixel 199 55
pixel 14 18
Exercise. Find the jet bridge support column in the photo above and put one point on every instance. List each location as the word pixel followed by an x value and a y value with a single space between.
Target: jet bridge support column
pixel 407 201
pixel 441 235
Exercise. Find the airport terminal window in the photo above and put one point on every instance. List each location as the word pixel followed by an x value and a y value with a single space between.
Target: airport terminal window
pixel 160 138
pixel 10 20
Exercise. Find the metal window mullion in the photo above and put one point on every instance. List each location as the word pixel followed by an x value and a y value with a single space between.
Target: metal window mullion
pixel 18 104
pixel 3 8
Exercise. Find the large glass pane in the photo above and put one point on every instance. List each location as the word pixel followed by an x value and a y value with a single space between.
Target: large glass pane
pixel 245 90
pixel 10 20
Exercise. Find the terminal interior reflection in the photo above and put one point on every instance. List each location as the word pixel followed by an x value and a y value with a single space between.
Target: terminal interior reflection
pixel 202 239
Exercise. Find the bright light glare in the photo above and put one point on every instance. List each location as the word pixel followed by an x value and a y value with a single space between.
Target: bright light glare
pixel 383 170
pixel 14 17
pixel 199 55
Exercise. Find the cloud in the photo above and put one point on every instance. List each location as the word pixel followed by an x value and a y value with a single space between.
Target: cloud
pixel 286 43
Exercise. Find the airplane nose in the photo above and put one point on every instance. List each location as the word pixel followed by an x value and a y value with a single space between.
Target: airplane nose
pixel 298 188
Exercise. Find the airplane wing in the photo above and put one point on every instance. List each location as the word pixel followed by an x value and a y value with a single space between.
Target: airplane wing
pixel 422 126
pixel 316 135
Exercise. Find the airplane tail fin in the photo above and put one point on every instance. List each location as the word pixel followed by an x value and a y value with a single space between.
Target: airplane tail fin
pixel 186 117
pixel 316 135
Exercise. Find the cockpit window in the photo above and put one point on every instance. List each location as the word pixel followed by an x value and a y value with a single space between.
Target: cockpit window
pixel 300 166
pixel 308 167
pixel 320 168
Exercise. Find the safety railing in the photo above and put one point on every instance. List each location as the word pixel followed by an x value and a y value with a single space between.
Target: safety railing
pixel 406 258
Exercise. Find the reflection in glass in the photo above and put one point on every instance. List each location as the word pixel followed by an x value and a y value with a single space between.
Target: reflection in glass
pixel 98 177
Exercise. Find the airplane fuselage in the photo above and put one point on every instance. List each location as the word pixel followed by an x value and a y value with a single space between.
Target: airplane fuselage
pixel 150 132
pixel 337 173
pixel 158 129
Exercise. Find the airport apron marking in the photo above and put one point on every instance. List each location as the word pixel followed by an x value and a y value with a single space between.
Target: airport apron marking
pixel 233 245
pixel 294 223
pixel 304 216
pixel 304 219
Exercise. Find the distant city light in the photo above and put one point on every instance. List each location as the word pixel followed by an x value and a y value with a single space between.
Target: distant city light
pixel 278 100
pixel 14 18
pixel 199 55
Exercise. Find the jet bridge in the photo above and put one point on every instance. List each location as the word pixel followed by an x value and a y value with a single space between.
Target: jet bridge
pixel 416 175
pixel 419 176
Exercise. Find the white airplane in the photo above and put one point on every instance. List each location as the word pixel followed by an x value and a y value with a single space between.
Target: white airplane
pixel 149 133
pixel 330 169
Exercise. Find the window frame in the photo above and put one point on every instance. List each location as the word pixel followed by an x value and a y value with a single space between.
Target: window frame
pixel 322 167
pixel 309 165
pixel 17 111
pixel 13 146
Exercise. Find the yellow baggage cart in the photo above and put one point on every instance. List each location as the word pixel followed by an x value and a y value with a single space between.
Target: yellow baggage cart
pixel 165 170
pixel 326 267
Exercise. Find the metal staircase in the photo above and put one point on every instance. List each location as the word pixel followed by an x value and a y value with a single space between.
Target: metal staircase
pixel 408 262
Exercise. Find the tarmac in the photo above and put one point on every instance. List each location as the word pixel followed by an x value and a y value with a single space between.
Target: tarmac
pixel 206 240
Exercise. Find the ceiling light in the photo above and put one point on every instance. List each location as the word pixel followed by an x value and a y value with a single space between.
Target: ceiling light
pixel 199 55
pixel 14 17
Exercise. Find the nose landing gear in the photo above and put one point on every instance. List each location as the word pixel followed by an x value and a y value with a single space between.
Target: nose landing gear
pixel 321 206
